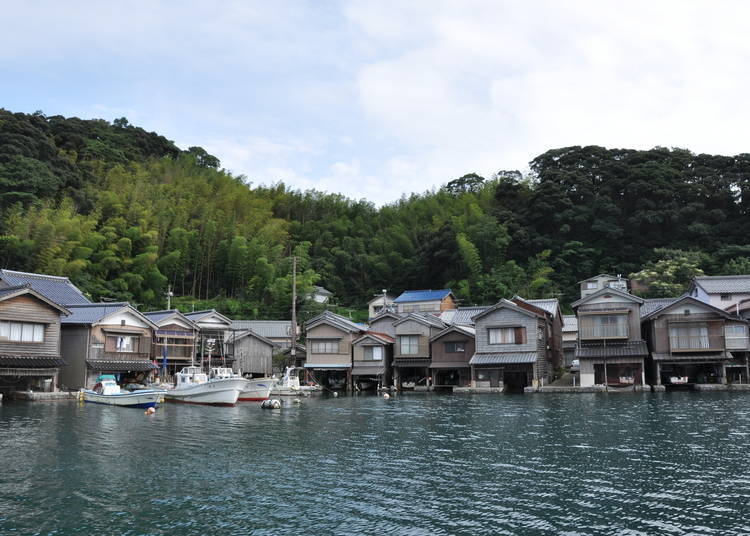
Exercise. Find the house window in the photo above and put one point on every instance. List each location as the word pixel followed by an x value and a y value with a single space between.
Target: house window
pixel 377 308
pixel 514 335
pixel 689 337
pixel 21 331
pixel 126 343
pixel 325 347
pixel 736 336
pixel 374 353
pixel 603 326
pixel 455 347
pixel 726 297
pixel 591 285
pixel 409 344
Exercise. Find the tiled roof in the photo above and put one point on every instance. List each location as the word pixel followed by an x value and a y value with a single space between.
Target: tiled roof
pixel 570 324
pixel 504 358
pixel 121 366
pixel 30 361
pixel 273 329
pixel 197 316
pixel 381 337
pixel 158 316
pixel 58 289
pixel 653 305
pixel 612 349
pixel 239 335
pixel 466 330
pixel 321 290
pixel 722 284
pixel 411 362
pixel 426 318
pixel 550 305
pixel 422 295
pixel 463 316
pixel 335 320
pixel 91 313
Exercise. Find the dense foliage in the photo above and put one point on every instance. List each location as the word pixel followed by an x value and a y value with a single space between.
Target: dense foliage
pixel 125 213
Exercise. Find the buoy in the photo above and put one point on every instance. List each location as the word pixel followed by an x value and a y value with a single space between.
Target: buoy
pixel 150 411
pixel 271 404
pixel 297 401
pixel 386 396
pixel 335 394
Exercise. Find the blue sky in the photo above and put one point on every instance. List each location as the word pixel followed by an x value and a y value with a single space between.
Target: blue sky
pixel 376 99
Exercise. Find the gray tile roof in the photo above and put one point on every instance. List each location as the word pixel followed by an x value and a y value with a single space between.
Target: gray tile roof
pixel 272 329
pixel 158 316
pixel 462 316
pixel 336 320
pixel 570 324
pixel 30 361
pixel 723 284
pixel 91 313
pixel 58 289
pixel 719 356
pixel 505 358
pixel 612 349
pixel 653 305
pixel 121 366
pixel 550 305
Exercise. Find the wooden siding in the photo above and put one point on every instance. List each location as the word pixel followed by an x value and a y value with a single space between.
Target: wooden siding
pixel 359 354
pixel 658 330
pixel 447 303
pixel 26 308
pixel 74 349
pixel 384 325
pixel 439 355
pixel 252 356
pixel 412 327
pixel 633 312
pixel 324 331
pixel 506 317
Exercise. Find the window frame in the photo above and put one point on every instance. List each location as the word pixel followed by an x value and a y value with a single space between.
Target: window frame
pixel 28 332
pixel 413 343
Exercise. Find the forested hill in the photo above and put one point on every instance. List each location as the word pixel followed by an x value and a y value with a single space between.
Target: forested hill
pixel 125 213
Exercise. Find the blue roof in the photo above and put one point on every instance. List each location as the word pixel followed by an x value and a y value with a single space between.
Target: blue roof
pixel 422 295
pixel 58 289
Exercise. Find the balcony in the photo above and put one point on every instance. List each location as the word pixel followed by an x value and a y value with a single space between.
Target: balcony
pixel 696 343
pixel 101 354
pixel 608 331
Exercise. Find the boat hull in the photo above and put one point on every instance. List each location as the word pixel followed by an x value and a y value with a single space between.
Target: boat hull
pixel 257 390
pixel 142 399
pixel 212 393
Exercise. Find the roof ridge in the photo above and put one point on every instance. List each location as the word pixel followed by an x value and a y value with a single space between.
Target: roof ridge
pixel 34 275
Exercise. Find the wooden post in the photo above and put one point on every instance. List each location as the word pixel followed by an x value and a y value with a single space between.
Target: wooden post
pixel 293 329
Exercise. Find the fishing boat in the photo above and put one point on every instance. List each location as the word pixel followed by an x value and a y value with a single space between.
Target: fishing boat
pixel 106 391
pixel 193 386
pixel 289 385
pixel 257 389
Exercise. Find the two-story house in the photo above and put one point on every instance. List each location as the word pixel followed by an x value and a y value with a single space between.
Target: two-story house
pixel 512 347
pixel 329 339
pixel 379 304
pixel 56 288
pixel 29 339
pixel 693 342
pixel 212 344
pixel 105 338
pixel 598 282
pixel 610 349
pixel 451 350
pixel 411 353
pixel 371 360
pixel 173 344
pixel 425 301
pixel 722 291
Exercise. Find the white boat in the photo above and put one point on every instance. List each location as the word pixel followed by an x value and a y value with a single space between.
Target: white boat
pixel 678 379
pixel 257 389
pixel 106 391
pixel 193 386
pixel 290 386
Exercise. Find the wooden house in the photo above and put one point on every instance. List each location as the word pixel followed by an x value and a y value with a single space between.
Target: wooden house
pixel 278 332
pixel 569 338
pixel 329 349
pixel 173 344
pixel 692 342
pixel 451 351
pixel 595 284
pixel 383 323
pixel 56 288
pixel 425 301
pixel 252 353
pixel 371 360
pixel 411 354
pixel 105 338
pixel 211 344
pixel 610 349
pixel 723 291
pixel 512 347
pixel 30 355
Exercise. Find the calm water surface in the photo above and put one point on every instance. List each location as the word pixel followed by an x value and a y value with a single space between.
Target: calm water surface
pixel 417 465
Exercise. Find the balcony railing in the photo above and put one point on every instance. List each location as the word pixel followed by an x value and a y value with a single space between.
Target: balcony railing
pixel 739 342
pixel 610 331
pixel 695 343
pixel 100 353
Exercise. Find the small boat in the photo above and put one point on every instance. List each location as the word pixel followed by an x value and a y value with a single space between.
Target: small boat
pixel 257 389
pixel 290 385
pixel 193 386
pixel 678 380
pixel 106 391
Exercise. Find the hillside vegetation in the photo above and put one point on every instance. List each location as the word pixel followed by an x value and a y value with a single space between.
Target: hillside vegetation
pixel 124 213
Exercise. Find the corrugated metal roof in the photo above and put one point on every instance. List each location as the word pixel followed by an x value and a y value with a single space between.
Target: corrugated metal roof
pixel 721 356
pixel 463 316
pixel 422 295
pixel 505 358
pixel 613 349
pixel 121 366
pixel 58 289
pixel 91 313
pixel 30 361
pixel 550 305
pixel 570 324
pixel 722 284
pixel 653 305
pixel 273 329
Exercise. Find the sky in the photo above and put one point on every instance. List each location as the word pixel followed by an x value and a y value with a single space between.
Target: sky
pixel 378 99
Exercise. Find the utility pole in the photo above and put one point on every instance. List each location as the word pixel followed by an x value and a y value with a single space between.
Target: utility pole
pixel 293 332
pixel 169 297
